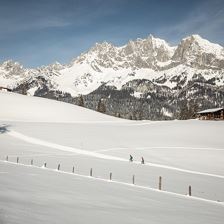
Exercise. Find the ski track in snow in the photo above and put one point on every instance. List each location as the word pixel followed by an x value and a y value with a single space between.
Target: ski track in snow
pixel 121 183
pixel 99 155
pixel 61 147
pixel 163 147
pixel 181 147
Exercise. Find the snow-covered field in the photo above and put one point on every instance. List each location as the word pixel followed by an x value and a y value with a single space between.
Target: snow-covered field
pixel 182 152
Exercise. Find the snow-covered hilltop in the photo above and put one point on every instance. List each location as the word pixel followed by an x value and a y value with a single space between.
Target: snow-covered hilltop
pixel 169 69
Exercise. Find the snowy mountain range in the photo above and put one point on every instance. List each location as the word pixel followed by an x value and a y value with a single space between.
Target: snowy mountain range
pixel 145 73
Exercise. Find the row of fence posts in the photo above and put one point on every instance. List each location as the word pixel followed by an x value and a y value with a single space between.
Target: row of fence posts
pixel 91 174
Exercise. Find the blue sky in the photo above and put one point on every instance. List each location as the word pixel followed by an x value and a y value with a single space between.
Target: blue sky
pixel 40 32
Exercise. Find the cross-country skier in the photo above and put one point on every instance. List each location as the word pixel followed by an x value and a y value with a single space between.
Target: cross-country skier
pixel 131 158
pixel 143 161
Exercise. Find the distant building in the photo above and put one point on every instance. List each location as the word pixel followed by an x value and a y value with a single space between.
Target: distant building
pixel 211 114
pixel 5 89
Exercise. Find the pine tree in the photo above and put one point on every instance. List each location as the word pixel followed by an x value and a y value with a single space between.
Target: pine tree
pixel 81 101
pixel 101 106
pixel 183 115
pixel 193 109
pixel 188 110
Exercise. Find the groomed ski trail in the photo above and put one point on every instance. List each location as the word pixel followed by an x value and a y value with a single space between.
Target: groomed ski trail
pixel 99 155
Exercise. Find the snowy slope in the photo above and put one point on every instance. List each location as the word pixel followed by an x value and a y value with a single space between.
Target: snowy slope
pixel 18 107
pixel 40 196
pixel 182 152
pixel 82 79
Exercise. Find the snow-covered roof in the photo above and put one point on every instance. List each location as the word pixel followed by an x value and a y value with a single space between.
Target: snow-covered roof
pixel 210 110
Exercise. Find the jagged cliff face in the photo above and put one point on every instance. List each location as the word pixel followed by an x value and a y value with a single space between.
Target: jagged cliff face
pixel 144 79
pixel 199 53
pixel 10 70
pixel 142 53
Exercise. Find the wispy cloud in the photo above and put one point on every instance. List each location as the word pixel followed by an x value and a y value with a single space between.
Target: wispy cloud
pixel 207 20
pixel 10 27
pixel 34 15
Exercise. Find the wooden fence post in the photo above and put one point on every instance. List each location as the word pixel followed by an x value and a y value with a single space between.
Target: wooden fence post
pixel 59 166
pixel 133 179
pixel 45 164
pixel 31 162
pixel 17 159
pixel 110 176
pixel 189 190
pixel 7 158
pixel 73 169
pixel 91 172
pixel 160 183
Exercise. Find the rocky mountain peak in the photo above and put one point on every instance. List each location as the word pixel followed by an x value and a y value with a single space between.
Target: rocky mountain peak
pixel 139 53
pixel 54 66
pixel 12 70
pixel 10 64
pixel 203 45
pixel 200 53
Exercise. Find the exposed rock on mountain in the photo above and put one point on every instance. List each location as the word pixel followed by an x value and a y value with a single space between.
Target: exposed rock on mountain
pixel 199 53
